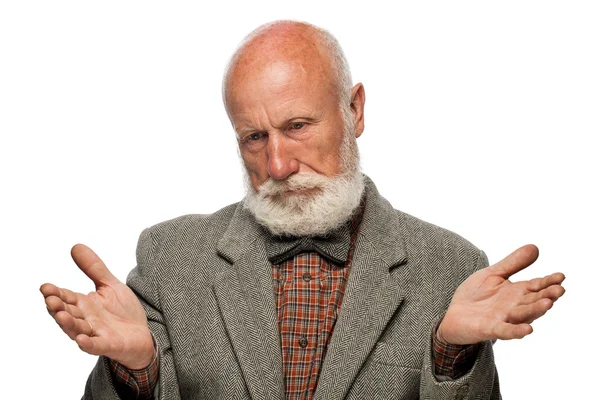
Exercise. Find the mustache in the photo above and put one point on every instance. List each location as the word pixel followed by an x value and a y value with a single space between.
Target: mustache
pixel 295 182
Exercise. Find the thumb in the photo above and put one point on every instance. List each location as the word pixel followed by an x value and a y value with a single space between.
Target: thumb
pixel 92 265
pixel 516 261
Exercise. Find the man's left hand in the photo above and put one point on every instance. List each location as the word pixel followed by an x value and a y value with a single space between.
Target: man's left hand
pixel 488 306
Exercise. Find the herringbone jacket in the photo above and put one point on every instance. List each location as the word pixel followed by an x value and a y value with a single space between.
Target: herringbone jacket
pixel 205 283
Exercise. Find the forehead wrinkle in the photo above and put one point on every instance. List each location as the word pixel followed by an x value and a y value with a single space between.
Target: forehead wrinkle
pixel 279 92
pixel 279 62
pixel 250 121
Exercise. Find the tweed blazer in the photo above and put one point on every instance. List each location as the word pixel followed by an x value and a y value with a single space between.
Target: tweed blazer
pixel 205 283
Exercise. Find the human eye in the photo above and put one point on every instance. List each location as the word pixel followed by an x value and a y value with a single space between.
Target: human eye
pixel 255 136
pixel 297 125
pixel 254 140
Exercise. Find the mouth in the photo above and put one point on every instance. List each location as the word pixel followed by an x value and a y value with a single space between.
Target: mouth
pixel 300 192
pixel 294 192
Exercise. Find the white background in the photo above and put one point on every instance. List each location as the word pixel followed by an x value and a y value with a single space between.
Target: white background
pixel 479 117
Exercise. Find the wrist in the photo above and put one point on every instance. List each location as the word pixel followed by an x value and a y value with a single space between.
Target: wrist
pixel 143 356
pixel 439 335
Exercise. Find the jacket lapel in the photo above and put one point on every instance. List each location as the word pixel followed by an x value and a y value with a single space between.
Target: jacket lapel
pixel 246 300
pixel 373 295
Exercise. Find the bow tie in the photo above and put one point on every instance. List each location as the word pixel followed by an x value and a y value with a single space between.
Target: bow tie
pixel 334 246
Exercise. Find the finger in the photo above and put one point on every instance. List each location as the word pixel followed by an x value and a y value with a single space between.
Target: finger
pixel 49 289
pixel 73 326
pixel 515 261
pixel 506 331
pixel 553 293
pixel 55 304
pixel 65 295
pixel 529 312
pixel 535 285
pixel 94 345
pixel 92 265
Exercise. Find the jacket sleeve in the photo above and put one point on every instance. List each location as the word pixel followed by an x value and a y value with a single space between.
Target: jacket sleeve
pixel 143 281
pixel 480 382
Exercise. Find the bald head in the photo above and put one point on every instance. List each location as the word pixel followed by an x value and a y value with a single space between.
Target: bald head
pixel 280 48
pixel 289 96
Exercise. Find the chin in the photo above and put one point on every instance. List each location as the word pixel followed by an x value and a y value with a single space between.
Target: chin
pixel 309 193
pixel 316 206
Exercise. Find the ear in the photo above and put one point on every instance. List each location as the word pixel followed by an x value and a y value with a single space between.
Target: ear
pixel 357 104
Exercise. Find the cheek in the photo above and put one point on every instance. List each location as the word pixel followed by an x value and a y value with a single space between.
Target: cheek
pixel 256 166
pixel 328 151
pixel 249 159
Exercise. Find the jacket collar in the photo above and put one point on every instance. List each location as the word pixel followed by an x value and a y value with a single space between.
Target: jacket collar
pixel 380 226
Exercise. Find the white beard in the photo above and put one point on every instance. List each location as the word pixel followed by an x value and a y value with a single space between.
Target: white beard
pixel 312 214
pixel 332 202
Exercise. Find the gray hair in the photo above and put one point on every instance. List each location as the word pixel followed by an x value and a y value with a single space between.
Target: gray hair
pixel 327 40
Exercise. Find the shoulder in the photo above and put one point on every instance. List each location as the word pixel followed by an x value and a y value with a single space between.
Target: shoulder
pixel 437 261
pixel 440 250
pixel 421 240
pixel 186 231
pixel 425 234
pixel 428 248
pixel 194 223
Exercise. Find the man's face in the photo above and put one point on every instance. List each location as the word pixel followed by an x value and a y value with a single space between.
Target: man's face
pixel 288 121
pixel 297 143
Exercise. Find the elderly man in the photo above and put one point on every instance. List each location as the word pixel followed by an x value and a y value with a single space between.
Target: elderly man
pixel 313 287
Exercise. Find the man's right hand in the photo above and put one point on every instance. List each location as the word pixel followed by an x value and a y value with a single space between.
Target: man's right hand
pixel 109 322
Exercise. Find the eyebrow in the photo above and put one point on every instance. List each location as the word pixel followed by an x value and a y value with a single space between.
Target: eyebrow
pixel 247 128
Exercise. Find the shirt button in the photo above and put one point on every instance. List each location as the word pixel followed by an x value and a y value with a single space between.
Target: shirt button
pixel 303 342
pixel 306 276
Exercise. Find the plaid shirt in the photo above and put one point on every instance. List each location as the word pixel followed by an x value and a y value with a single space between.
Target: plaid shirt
pixel 309 291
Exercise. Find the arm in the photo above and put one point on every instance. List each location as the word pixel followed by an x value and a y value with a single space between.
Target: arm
pixel 142 280
pixel 480 380
pixel 451 361
pixel 111 322
pixel 488 306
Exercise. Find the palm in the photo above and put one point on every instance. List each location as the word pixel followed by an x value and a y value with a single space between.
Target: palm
pixel 119 301
pixel 488 306
pixel 109 321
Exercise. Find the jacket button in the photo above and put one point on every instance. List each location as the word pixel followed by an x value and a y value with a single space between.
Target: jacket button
pixel 306 276
pixel 303 342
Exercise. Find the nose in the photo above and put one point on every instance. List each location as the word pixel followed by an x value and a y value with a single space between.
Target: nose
pixel 281 161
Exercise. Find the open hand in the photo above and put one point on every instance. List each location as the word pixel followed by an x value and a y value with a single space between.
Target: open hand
pixel 488 306
pixel 109 322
